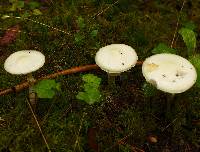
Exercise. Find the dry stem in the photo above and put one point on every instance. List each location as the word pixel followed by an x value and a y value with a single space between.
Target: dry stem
pixel 24 85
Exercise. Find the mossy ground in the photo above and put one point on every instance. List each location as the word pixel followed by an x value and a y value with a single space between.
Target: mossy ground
pixel 124 113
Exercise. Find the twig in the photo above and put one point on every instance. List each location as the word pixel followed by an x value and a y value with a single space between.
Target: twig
pixel 24 85
pixel 177 24
pixel 169 125
pixel 133 148
pixel 79 130
pixel 122 142
pixel 104 10
pixel 38 125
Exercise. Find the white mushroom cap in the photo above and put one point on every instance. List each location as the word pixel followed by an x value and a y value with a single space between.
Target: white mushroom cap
pixel 169 72
pixel 116 58
pixel 23 62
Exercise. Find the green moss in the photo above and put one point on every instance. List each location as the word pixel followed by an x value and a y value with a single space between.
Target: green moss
pixel 69 33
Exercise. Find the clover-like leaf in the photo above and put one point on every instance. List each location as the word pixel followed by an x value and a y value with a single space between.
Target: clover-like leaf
pixel 37 12
pixel 46 88
pixel 189 38
pixel 20 4
pixel 33 5
pixel 80 22
pixel 189 25
pixel 163 48
pixel 94 33
pixel 90 96
pixel 91 79
pixel 91 92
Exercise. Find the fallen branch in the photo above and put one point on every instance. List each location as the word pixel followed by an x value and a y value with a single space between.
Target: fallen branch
pixel 122 141
pixel 24 85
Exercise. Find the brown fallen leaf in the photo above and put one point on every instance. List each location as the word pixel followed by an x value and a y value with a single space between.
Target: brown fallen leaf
pixel 10 35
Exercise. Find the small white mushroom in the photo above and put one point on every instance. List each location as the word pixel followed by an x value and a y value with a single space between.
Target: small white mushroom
pixel 116 58
pixel 25 62
pixel 169 73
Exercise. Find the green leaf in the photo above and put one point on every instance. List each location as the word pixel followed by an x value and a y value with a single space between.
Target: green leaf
pixel 13 7
pixel 149 90
pixel 163 48
pixel 46 88
pixel 195 60
pixel 20 4
pixel 90 97
pixel 34 5
pixel 91 92
pixel 91 79
pixel 80 22
pixel 37 12
pixel 12 1
pixel 189 38
pixel 79 39
pixel 189 25
pixel 25 15
pixel 94 33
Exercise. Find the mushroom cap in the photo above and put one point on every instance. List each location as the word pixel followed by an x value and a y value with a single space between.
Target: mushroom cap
pixel 23 62
pixel 116 58
pixel 169 72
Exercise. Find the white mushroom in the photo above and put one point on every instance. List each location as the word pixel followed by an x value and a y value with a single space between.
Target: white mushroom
pixel 116 58
pixel 169 72
pixel 25 62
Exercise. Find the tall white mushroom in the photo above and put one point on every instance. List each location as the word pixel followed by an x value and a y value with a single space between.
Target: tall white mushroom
pixel 169 73
pixel 25 62
pixel 116 58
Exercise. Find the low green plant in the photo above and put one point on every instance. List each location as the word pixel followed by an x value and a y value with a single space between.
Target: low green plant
pixel 148 90
pixel 46 88
pixel 189 38
pixel 15 5
pixel 195 60
pixel 91 92
pixel 163 48
pixel 23 8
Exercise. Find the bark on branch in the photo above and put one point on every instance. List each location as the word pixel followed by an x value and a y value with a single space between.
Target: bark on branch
pixel 24 85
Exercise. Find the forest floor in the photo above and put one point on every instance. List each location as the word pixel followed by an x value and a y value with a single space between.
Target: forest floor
pixel 129 117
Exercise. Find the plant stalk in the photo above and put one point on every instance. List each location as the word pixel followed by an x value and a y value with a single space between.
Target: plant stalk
pixel 38 125
pixel 32 94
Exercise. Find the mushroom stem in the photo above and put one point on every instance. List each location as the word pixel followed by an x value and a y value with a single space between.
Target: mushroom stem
pixel 170 99
pixel 111 79
pixel 32 94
